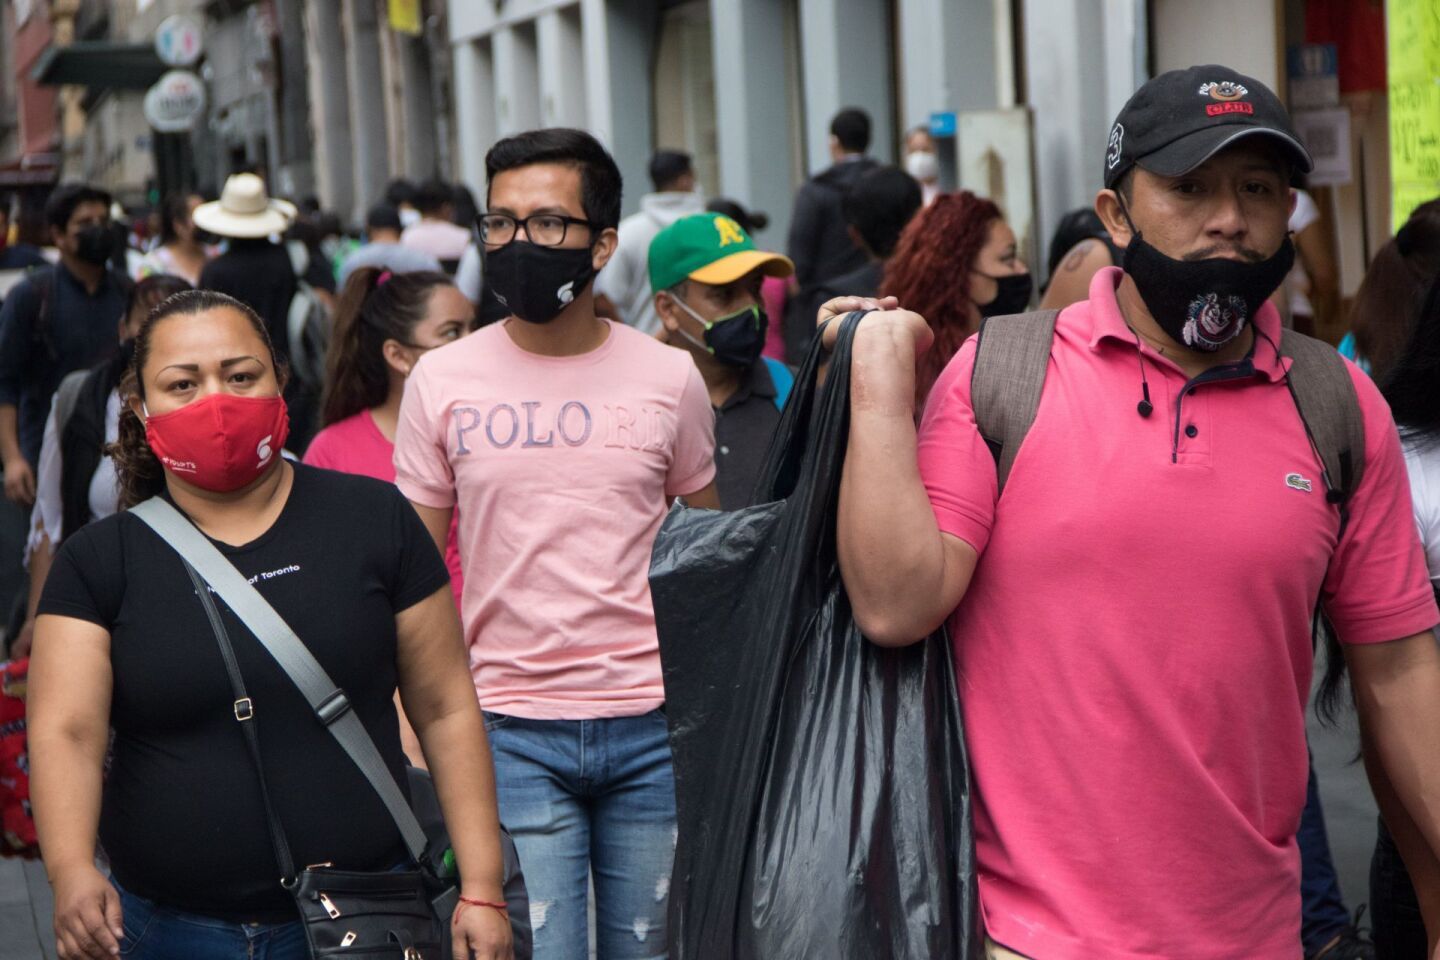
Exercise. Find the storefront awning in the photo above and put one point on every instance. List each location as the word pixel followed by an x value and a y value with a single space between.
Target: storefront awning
pixel 124 66
pixel 30 170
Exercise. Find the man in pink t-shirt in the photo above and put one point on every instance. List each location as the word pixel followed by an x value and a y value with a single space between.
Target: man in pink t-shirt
pixel 563 438
pixel 1131 619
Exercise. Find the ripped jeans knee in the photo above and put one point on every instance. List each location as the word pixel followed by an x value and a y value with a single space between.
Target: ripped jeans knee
pixel 591 805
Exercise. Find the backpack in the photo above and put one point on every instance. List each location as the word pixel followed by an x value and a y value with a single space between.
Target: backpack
pixel 1010 364
pixel 46 280
pixel 67 398
pixel 307 324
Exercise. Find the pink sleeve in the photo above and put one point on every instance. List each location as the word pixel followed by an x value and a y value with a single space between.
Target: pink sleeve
pixel 693 465
pixel 772 295
pixel 322 449
pixel 955 463
pixel 422 468
pixel 1378 588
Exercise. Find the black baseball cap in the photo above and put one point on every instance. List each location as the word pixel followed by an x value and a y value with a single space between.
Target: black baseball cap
pixel 1182 118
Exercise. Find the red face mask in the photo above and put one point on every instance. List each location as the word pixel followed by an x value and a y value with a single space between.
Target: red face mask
pixel 222 442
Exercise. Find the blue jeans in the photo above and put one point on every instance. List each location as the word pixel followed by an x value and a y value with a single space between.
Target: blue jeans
pixel 1322 915
pixel 583 797
pixel 153 932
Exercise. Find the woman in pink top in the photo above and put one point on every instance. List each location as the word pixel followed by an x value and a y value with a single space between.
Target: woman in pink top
pixel 384 322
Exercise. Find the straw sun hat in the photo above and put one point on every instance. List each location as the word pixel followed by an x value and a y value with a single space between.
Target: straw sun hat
pixel 244 210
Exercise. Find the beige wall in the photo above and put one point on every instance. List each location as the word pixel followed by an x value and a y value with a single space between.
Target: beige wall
pixel 685 91
pixel 1230 32
pixel 116 146
pixel 1187 32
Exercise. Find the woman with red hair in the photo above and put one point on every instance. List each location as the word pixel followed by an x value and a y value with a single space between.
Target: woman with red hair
pixel 956 263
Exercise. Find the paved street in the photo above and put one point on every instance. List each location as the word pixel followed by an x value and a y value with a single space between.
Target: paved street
pixel 1349 808
pixel 1350 812
pixel 24 912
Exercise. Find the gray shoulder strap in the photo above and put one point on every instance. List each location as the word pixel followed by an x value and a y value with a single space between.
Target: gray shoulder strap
pixel 325 698
pixel 1009 375
pixel 66 399
pixel 1325 396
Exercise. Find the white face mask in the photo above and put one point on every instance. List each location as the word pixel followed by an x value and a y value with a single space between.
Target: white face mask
pixel 410 217
pixel 923 166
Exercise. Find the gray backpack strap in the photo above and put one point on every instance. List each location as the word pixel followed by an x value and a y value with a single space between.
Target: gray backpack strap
pixel 1010 364
pixel 1325 396
pixel 66 399
pixel 327 700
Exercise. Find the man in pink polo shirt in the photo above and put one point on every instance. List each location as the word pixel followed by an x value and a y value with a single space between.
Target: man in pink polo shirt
pixel 563 438
pixel 1132 618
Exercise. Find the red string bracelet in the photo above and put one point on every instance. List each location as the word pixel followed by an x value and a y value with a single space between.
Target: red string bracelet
pixel 472 902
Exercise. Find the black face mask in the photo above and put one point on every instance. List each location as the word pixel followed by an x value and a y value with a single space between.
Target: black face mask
pixel 736 339
pixel 1204 304
pixel 94 244
pixel 1013 295
pixel 536 283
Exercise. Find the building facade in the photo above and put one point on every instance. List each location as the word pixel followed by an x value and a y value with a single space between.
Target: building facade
pixel 29 118
pixel 748 87
pixel 324 98
pixel 380 98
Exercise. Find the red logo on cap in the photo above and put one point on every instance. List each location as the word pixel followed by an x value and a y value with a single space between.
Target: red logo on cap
pixel 1235 106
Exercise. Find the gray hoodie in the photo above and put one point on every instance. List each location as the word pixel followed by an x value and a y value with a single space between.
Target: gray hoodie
pixel 625 281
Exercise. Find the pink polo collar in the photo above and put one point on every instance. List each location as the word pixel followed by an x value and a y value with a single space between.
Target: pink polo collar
pixel 1107 323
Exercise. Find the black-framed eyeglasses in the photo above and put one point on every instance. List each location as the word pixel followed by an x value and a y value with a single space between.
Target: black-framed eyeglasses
pixel 541 229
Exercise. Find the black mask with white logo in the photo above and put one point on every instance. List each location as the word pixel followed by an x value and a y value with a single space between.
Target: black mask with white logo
pixel 1204 304
pixel 535 283
pixel 1012 295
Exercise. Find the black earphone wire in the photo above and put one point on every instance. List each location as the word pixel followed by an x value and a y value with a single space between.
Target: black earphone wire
pixel 1144 407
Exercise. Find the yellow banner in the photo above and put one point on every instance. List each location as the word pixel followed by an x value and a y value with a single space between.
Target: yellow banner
pixel 1413 66
pixel 405 17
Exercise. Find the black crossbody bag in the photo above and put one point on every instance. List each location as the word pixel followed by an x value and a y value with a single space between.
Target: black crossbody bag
pixel 402 913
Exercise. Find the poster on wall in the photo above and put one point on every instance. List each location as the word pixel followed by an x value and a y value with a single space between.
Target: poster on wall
pixel 405 17
pixel 996 160
pixel 1326 134
pixel 1314 74
pixel 1414 76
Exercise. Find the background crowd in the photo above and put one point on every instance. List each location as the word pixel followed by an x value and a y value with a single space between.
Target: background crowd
pixel 714 322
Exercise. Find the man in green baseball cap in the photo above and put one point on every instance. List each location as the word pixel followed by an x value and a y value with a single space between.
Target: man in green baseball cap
pixel 705 274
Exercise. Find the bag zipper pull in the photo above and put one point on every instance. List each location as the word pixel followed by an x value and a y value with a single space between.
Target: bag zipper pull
pixel 329 906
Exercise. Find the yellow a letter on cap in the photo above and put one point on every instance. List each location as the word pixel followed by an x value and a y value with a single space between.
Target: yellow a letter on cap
pixel 730 231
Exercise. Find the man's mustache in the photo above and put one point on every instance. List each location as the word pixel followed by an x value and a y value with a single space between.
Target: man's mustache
pixel 1208 253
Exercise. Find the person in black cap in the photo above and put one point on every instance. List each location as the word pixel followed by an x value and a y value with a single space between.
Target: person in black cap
pixel 1132 618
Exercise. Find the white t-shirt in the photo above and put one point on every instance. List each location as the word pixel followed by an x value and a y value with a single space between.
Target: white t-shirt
pixel 1298 282
pixel 47 518
pixel 441 239
pixel 1423 465
pixel 469 274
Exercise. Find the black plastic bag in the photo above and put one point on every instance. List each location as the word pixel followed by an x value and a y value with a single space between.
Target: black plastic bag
pixel 821 780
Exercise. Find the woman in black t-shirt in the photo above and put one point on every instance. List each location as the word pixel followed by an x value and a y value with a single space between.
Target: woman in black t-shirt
pixel 123 641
